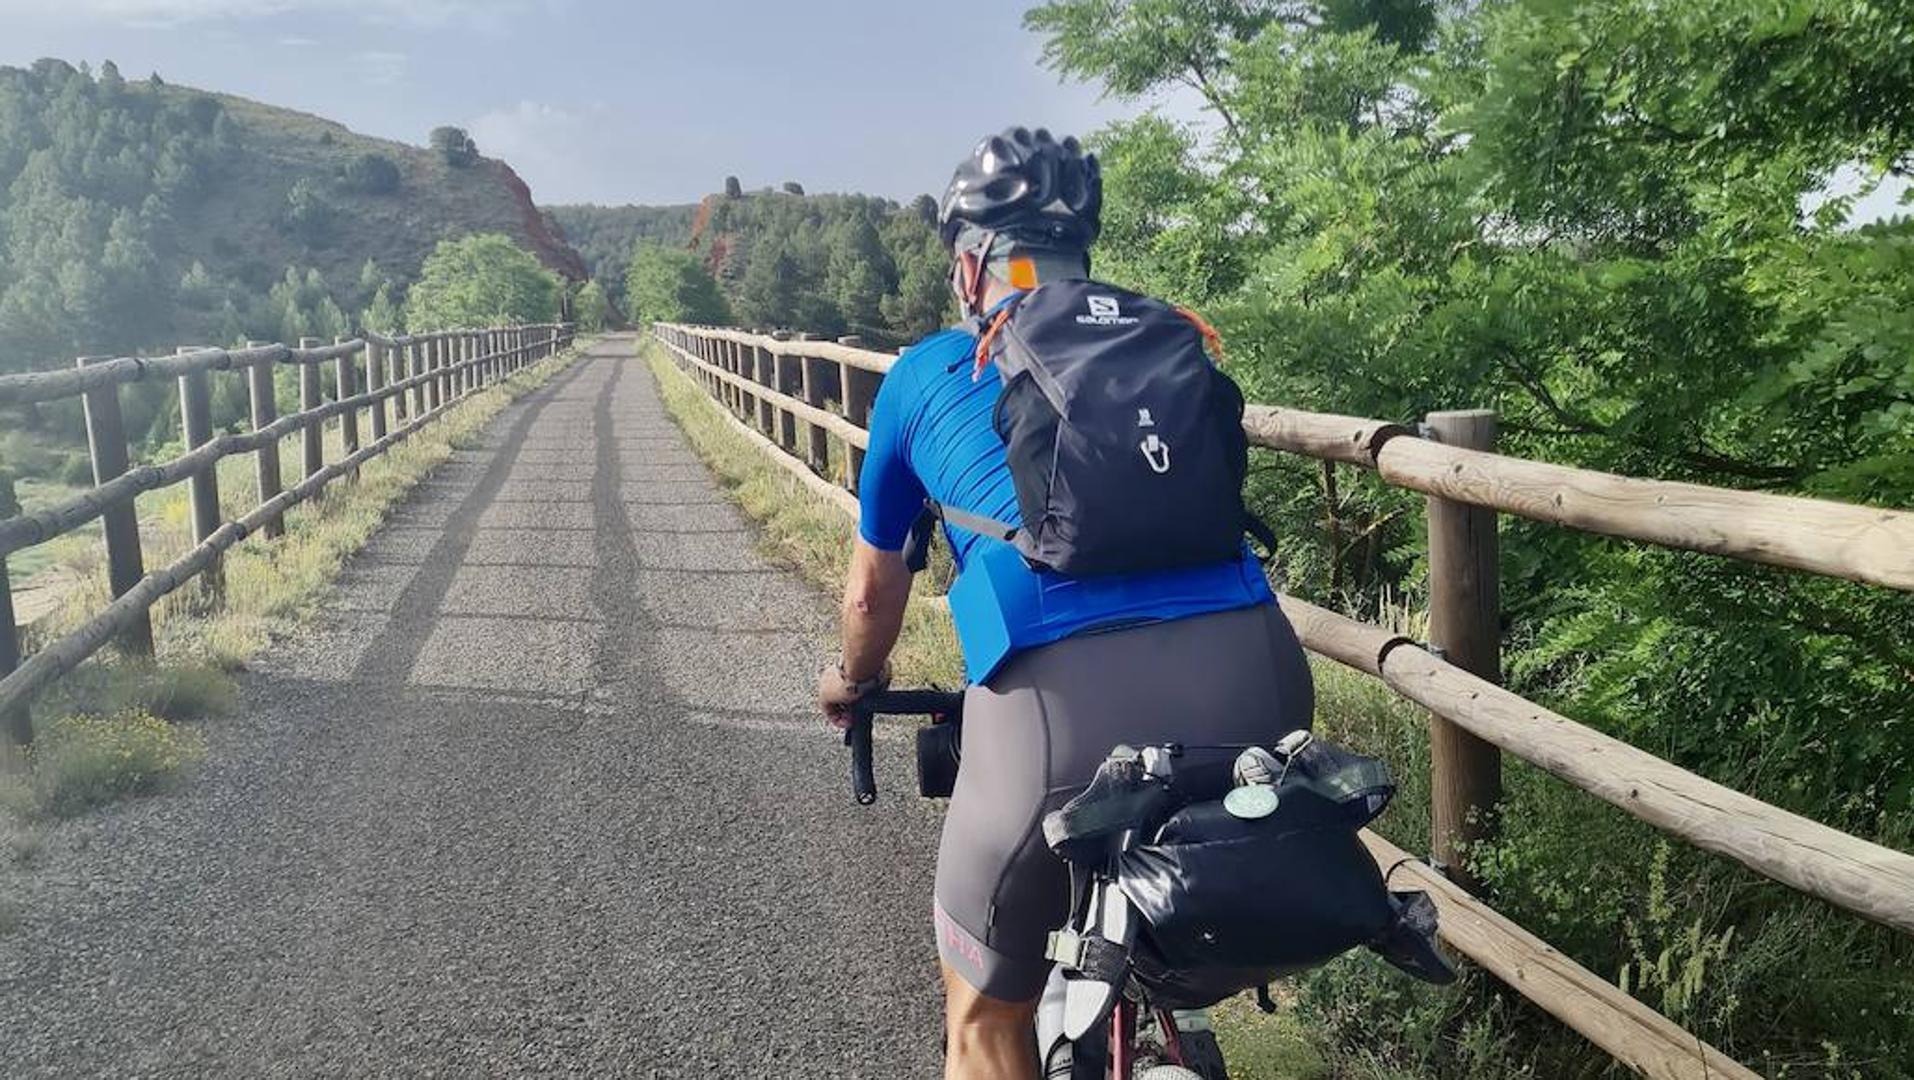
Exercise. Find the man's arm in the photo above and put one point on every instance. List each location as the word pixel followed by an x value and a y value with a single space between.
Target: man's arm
pixel 889 499
pixel 875 592
pixel 874 596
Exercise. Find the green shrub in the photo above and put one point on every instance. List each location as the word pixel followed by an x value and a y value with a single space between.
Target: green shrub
pixel 309 215
pixel 85 760
pixel 176 692
pixel 76 471
pixel 370 174
pixel 455 146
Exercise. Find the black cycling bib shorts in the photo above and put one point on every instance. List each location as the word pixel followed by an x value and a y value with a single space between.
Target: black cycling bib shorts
pixel 1035 734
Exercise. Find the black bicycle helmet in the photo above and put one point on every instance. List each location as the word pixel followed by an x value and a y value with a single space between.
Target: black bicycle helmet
pixel 1029 187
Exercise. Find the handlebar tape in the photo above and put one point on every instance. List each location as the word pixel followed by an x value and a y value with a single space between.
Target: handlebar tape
pixel 863 780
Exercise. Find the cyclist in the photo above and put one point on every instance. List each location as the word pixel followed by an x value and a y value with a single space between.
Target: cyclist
pixel 1061 669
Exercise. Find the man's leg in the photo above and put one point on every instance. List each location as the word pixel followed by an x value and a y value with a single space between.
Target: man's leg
pixel 987 1039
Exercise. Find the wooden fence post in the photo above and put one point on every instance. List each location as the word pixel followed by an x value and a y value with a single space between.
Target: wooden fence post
pixel 1465 772
pixel 760 375
pixel 196 423
pixel 817 442
pixel 415 368
pixel 787 377
pixel 348 379
pixel 435 363
pixel 400 350
pixel 18 721
pixel 125 565
pixel 313 435
pixel 262 394
pixel 733 354
pixel 375 382
pixel 860 390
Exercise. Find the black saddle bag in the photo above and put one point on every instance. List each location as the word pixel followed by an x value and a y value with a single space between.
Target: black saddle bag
pixel 1233 903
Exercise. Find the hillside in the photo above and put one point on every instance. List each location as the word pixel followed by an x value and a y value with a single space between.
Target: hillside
pixel 141 214
pixel 605 235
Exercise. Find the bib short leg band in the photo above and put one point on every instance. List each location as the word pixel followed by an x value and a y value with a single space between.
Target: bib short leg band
pixel 1035 734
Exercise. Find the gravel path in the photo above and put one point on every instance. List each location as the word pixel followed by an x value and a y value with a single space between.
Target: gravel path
pixel 538 794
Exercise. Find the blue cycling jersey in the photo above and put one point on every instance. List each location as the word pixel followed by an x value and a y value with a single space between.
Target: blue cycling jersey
pixel 931 435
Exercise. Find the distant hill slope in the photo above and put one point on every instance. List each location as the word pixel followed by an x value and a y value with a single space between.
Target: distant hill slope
pixel 434 201
pixel 140 214
pixel 605 235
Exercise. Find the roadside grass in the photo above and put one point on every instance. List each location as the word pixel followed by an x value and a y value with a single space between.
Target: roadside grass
pixel 84 760
pixel 801 531
pixel 113 727
pixel 812 537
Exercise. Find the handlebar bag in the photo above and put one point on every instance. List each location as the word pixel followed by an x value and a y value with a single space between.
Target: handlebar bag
pixel 1232 903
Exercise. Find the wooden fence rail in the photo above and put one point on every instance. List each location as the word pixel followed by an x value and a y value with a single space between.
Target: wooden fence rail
pixel 462 362
pixel 1471 717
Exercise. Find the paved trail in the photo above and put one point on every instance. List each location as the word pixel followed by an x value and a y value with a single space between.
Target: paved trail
pixel 539 795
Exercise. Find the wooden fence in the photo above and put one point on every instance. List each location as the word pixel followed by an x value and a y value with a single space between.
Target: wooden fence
pixel 422 376
pixel 793 396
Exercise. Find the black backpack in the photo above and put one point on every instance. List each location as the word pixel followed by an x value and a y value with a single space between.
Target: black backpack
pixel 1125 441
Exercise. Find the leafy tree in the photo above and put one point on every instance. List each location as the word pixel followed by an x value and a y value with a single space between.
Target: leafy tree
pixel 1590 218
pixel 665 285
pixel 482 280
pixel 384 314
pixel 92 175
pixel 826 263
pixel 856 271
pixel 455 146
pixel 733 189
pixel 198 288
pixel 309 215
pixel 371 174
pixel 792 187
pixel 591 307
pixel 606 235
pixel 922 300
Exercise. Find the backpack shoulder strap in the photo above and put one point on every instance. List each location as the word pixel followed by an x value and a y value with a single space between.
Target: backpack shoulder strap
pixel 916 550
pixel 987 332
pixel 977 523
pixel 1210 336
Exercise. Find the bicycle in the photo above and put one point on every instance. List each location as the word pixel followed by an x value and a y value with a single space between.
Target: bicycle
pixel 1116 1004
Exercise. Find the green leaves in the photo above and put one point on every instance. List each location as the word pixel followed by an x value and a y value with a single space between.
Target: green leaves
pixel 483 280
pixel 669 285
pixel 1606 220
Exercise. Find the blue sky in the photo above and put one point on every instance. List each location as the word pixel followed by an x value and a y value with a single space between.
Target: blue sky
pixel 596 101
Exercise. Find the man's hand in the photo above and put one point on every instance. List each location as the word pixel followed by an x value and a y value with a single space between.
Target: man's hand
pixel 836 694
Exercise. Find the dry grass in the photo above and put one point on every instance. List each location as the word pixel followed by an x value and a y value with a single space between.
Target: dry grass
pixel 802 531
pixel 812 537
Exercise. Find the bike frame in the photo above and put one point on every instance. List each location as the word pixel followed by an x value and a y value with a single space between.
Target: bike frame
pixel 1126 1014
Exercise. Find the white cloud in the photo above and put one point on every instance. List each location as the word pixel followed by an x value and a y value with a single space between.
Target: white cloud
pixel 558 151
pixel 295 42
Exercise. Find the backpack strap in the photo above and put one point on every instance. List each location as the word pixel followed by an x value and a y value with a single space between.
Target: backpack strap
pixel 1210 337
pixel 977 523
pixel 1261 533
pixel 916 550
pixel 989 338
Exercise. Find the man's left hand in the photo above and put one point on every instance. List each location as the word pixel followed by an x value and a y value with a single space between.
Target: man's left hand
pixel 836 695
